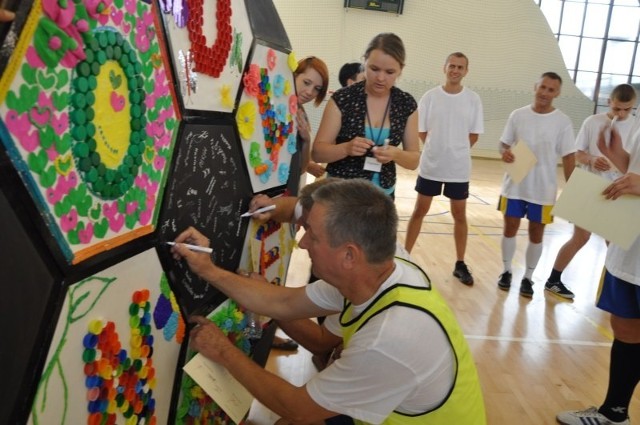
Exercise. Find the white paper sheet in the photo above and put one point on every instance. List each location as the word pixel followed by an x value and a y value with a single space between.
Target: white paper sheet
pixel 582 203
pixel 223 388
pixel 524 162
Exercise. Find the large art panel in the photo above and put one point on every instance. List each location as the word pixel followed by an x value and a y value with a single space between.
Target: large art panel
pixel 194 405
pixel 266 117
pixel 87 118
pixel 267 250
pixel 30 284
pixel 115 350
pixel 209 190
pixel 209 43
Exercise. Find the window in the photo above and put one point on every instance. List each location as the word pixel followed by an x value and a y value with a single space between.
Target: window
pixel 599 43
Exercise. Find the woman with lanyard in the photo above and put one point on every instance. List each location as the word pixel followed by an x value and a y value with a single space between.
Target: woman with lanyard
pixel 364 124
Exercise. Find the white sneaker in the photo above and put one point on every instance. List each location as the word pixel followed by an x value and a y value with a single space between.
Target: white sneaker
pixel 588 416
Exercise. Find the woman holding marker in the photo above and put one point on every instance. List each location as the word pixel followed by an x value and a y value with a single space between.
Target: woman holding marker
pixel 364 124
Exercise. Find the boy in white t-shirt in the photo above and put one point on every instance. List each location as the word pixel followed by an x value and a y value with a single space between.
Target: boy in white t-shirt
pixel 450 120
pixel 549 134
pixel 619 294
pixel 621 102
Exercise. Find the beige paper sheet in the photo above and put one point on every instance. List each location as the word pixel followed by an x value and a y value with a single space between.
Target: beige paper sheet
pixel 524 162
pixel 223 388
pixel 582 203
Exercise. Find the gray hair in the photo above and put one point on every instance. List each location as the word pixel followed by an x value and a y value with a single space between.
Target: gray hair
pixel 361 213
pixel 305 198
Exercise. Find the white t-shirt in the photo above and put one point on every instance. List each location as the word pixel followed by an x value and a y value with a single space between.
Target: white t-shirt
pixel 448 119
pixel 332 322
pixel 550 137
pixel 401 360
pixel 625 264
pixel 587 140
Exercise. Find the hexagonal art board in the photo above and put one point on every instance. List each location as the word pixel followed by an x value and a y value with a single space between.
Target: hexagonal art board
pixel 209 190
pixel 268 248
pixel 88 119
pixel 209 42
pixel 115 350
pixel 266 116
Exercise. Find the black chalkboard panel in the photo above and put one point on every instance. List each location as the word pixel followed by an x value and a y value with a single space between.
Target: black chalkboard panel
pixel 30 281
pixel 208 189
pixel 266 24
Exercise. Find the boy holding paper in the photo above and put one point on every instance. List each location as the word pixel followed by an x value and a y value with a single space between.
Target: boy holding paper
pixel 619 294
pixel 549 135
pixel 621 102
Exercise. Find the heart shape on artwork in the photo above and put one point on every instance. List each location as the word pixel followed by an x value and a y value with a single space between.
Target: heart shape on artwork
pixel 63 79
pixel 62 207
pixel 85 235
pixel 48 177
pixel 116 80
pixel 37 161
pixel 94 212
pixel 46 81
pixel 100 228
pixel 116 222
pixel 69 221
pixel 63 164
pixel 21 103
pixel 117 101
pixel 63 144
pixel 72 237
pixel 59 100
pixel 40 116
pixel 117 15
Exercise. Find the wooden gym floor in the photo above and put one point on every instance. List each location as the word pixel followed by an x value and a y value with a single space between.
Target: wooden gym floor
pixel 535 357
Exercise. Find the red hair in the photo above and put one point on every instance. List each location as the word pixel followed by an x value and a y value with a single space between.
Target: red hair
pixel 321 68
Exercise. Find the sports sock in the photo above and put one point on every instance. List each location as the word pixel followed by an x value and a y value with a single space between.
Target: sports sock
pixel 624 375
pixel 555 276
pixel 508 251
pixel 532 255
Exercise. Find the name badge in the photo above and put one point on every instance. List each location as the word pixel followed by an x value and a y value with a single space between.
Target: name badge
pixel 372 164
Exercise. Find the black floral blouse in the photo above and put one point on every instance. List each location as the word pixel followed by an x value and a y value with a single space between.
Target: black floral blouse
pixel 352 103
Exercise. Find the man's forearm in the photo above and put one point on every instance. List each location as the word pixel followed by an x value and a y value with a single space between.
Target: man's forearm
pixel 312 336
pixel 290 402
pixel 256 295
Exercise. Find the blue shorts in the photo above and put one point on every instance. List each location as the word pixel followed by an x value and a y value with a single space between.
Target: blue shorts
pixel 618 297
pixel 456 191
pixel 519 209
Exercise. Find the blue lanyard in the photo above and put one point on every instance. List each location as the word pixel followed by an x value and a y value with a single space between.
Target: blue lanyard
pixel 386 111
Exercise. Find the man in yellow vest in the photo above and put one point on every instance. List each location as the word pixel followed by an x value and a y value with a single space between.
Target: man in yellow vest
pixel 405 359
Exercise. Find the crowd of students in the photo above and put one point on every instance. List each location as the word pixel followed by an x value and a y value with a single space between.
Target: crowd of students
pixel 389 372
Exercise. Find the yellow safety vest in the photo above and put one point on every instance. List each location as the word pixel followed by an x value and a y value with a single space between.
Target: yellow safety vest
pixel 464 404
